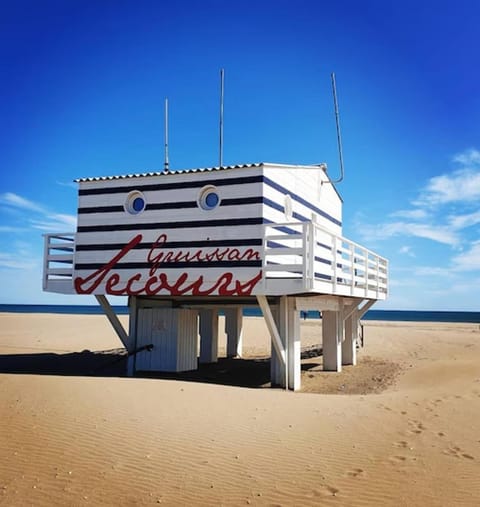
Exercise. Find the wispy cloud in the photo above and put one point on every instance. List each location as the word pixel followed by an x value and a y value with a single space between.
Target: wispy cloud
pixel 34 215
pixel 468 260
pixel 432 271
pixel 468 157
pixel 462 185
pixel 446 205
pixel 441 234
pixel 407 250
pixel 411 214
pixel 17 201
pixel 459 222
pixel 16 261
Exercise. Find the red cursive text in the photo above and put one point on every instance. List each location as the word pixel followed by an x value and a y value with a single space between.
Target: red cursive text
pixel 225 285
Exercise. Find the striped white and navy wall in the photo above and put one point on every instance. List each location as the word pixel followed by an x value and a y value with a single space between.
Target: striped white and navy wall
pixel 303 194
pixel 174 246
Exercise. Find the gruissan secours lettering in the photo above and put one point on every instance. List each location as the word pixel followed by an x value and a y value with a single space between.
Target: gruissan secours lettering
pixel 225 284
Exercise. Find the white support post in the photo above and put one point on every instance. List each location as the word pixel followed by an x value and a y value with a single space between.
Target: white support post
pixel 132 322
pixel 279 367
pixel 276 327
pixel 364 309
pixel 349 346
pixel 208 336
pixel 115 322
pixel 234 331
pixel 294 346
pixel 332 336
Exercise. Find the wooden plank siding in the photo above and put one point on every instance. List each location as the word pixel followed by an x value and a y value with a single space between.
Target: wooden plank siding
pixel 174 235
pixel 277 230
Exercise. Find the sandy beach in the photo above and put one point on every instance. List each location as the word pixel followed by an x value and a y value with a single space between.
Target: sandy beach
pixel 402 428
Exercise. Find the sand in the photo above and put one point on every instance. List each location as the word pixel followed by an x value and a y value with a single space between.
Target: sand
pixel 401 428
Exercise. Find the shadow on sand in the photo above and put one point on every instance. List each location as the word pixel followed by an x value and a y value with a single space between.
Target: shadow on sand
pixel 113 363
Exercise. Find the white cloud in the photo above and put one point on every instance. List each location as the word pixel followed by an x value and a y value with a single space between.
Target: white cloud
pixel 468 157
pixel 468 260
pixel 43 218
pixel 462 221
pixel 407 250
pixel 17 201
pixel 460 186
pixel 440 234
pixel 433 271
pixel 15 261
pixel 56 222
pixel 447 204
pixel 412 214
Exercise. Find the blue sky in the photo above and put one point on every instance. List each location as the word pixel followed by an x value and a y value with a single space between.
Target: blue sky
pixel 82 91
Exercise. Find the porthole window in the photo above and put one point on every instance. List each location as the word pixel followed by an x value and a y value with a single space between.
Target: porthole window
pixel 135 202
pixel 209 198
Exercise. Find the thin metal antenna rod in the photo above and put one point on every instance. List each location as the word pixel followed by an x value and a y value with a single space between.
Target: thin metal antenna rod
pixel 339 136
pixel 222 92
pixel 166 164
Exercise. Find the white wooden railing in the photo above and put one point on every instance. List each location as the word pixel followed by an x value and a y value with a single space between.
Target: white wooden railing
pixel 58 259
pixel 316 259
pixel 298 257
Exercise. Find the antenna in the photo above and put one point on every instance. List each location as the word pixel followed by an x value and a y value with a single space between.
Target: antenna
pixel 337 122
pixel 165 165
pixel 222 90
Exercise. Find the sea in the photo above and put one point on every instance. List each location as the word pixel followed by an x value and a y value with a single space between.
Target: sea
pixel 384 315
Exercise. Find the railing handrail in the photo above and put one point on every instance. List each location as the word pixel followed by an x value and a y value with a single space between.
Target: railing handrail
pixel 365 269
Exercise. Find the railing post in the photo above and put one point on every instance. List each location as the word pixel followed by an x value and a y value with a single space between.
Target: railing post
pixel 352 268
pixel 365 251
pixel 311 252
pixel 46 240
pixel 334 246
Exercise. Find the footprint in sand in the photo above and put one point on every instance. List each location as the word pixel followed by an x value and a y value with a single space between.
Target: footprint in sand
pixel 402 444
pixel 356 472
pixel 399 459
pixel 416 427
pixel 325 491
pixel 457 452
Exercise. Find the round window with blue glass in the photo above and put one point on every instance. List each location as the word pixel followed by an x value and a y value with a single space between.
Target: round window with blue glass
pixel 209 198
pixel 135 202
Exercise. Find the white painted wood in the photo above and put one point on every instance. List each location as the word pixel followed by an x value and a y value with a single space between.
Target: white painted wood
pixel 173 334
pixel 332 335
pixel 208 336
pixel 294 346
pixel 142 360
pixel 234 331
pixel 349 345
pixel 364 309
pixel 279 369
pixel 272 328
pixel 114 321
pixel 187 339
pixel 308 246
pixel 132 333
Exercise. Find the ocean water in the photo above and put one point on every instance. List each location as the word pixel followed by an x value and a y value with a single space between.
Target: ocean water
pixel 387 315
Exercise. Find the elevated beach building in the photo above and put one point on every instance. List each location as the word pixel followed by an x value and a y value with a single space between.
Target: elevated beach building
pixel 184 245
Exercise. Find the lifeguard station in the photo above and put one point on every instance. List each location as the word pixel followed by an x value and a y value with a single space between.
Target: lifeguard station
pixel 185 244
